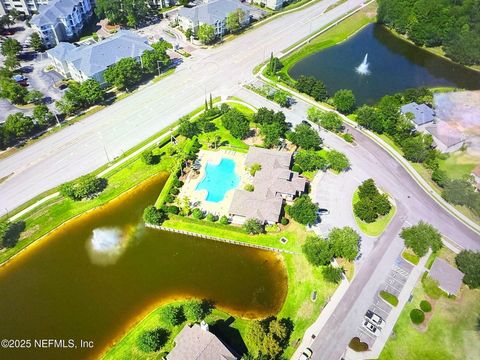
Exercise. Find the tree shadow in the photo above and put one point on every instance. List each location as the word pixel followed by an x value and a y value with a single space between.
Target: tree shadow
pixel 231 336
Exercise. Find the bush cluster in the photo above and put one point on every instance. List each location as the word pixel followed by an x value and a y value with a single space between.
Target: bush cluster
pixel 371 203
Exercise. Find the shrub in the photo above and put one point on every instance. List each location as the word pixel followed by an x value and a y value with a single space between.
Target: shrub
pixel 344 101
pixel 417 316
pixel 169 198
pixel 172 209
pixel 348 137
pixel 197 214
pixel 153 340
pixel 172 315
pixel 425 306
pixel 249 187
pixel 211 217
pixel 253 226
pixel 84 187
pixel 177 183
pixel 149 158
pixel 284 221
pixel 174 191
pixel 357 345
pixel 332 274
pixel 224 220
pixel 152 215
pixel 390 298
pixel 254 168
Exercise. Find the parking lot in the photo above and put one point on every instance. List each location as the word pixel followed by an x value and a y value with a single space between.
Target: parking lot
pixel 394 283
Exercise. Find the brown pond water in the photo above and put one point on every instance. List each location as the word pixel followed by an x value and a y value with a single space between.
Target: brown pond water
pixel 62 288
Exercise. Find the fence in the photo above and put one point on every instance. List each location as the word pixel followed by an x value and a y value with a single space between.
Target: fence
pixel 214 238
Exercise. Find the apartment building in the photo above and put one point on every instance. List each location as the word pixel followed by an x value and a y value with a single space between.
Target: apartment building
pixel 61 20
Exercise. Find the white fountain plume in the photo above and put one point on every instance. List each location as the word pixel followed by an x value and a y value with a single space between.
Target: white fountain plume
pixel 106 245
pixel 362 69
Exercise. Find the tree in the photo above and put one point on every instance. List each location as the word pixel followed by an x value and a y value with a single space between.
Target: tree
pixel 81 96
pixel 310 160
pixel 305 137
pixel 421 237
pixel 332 274
pixel 318 251
pixel 123 12
pixel 152 215
pixel 337 161
pixel 124 74
pixel 368 117
pixel 11 47
pixel 416 148
pixel 234 20
pixel 272 134
pixel 172 315
pixel 12 91
pixel 255 334
pixel 345 242
pixel 11 62
pixel 10 233
pixel 344 101
pixel 34 97
pixel 84 187
pixel 281 98
pixel 462 192
pixel 331 121
pixel 43 116
pixel 156 59
pixel 253 226
pixel 206 33
pixel 36 42
pixel 274 65
pixel 188 128
pixel 268 338
pixel 149 158
pixel 194 310
pixel 367 189
pixel 153 340
pixel 303 210
pixel 19 125
pixel 313 87
pixel 468 262
pixel 371 203
pixel 237 123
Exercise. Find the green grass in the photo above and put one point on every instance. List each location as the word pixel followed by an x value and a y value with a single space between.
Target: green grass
pixel 376 228
pixel 431 288
pixel 450 333
pixel 333 36
pixel 410 256
pixel 459 164
pixel 389 298
pixel 294 232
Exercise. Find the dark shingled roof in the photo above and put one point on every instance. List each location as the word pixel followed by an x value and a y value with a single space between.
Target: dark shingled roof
pixel 422 114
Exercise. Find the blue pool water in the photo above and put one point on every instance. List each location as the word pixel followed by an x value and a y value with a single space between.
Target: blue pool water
pixel 219 179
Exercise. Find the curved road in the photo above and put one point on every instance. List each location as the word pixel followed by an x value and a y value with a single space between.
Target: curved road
pixel 86 145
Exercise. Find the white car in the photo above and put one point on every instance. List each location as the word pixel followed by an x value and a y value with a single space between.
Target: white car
pixel 372 329
pixel 374 318
pixel 307 354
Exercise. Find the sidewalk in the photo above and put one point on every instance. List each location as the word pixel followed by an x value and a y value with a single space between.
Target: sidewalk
pixel 393 316
pixel 317 326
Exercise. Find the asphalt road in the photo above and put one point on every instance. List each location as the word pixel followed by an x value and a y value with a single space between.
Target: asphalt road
pixel 86 145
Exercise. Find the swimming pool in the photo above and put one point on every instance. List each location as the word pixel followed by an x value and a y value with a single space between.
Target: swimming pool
pixel 219 179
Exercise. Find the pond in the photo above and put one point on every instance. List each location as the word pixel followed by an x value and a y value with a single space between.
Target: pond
pixel 393 65
pixel 99 274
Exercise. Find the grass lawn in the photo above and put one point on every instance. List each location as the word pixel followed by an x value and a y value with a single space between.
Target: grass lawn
pixel 408 255
pixel 459 164
pixel 376 228
pixel 294 232
pixel 331 37
pixel 450 333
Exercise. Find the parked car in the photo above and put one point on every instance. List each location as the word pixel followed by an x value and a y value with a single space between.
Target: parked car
pixel 372 329
pixel 322 211
pixel 374 318
pixel 305 122
pixel 307 354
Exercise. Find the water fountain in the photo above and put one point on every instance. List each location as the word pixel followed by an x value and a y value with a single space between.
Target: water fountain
pixel 106 245
pixel 362 69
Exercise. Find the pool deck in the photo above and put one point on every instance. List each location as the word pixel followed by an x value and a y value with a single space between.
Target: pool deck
pixel 198 196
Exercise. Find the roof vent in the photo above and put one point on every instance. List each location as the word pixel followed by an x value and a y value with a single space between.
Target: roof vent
pixel 204 326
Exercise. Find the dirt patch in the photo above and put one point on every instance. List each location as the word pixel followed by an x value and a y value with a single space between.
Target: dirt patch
pixel 29 232
pixel 255 138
